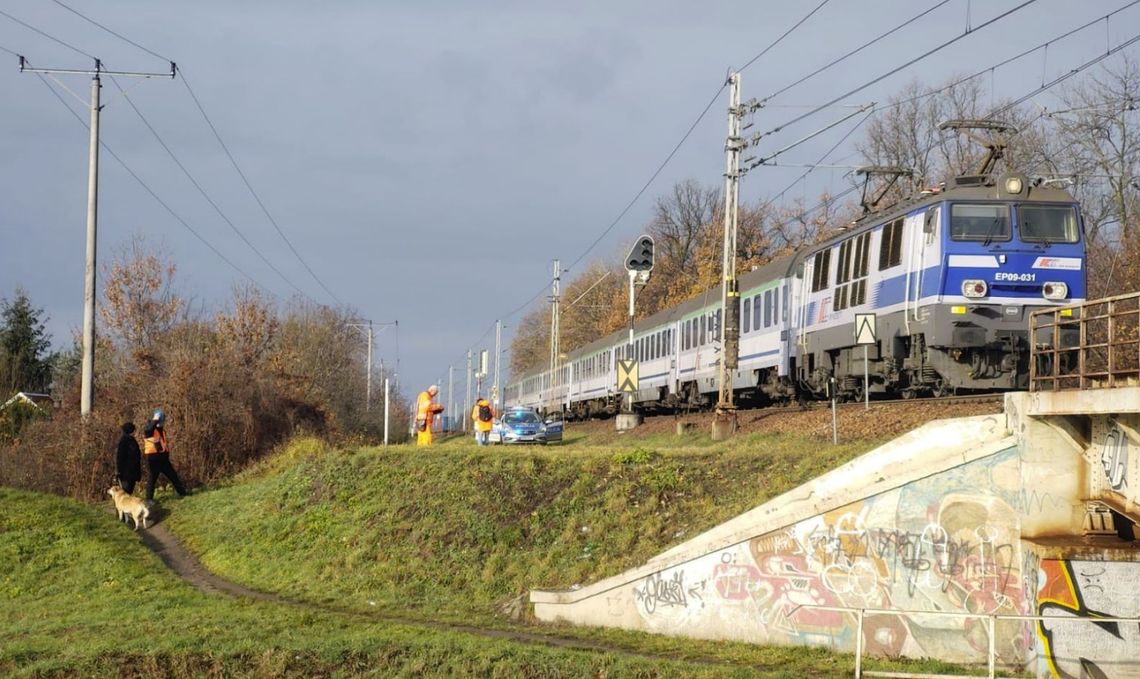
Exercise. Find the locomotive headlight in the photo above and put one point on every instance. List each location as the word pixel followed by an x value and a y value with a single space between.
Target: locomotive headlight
pixel 1053 290
pixel 974 289
pixel 1013 185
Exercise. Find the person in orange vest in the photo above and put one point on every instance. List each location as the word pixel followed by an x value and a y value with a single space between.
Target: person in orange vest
pixel 157 453
pixel 425 413
pixel 483 415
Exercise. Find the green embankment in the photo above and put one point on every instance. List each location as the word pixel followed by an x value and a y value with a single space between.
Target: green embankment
pixel 456 530
pixel 446 534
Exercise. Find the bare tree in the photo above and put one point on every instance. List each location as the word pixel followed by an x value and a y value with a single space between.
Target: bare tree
pixel 139 304
pixel 1096 142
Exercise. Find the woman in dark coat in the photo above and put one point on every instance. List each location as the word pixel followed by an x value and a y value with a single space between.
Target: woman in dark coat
pixel 128 459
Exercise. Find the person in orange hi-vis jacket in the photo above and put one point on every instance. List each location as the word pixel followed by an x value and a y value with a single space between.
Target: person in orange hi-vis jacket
pixel 425 413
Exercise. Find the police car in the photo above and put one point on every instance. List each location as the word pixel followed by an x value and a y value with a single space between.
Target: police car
pixel 523 425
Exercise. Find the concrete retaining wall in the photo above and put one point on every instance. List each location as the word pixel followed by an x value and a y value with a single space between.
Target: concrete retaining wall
pixel 993 515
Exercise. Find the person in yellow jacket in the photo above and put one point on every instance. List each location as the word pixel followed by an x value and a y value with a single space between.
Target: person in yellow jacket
pixel 425 414
pixel 483 415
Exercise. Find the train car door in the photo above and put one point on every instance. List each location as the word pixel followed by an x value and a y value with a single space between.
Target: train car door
pixel 674 353
pixel 921 229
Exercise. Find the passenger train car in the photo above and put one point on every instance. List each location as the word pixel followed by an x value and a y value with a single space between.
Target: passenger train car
pixel 950 274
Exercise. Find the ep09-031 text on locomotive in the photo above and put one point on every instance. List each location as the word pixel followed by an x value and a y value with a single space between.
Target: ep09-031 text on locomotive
pixel 951 276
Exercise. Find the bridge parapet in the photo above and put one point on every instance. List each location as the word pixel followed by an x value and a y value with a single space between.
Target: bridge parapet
pixel 1092 345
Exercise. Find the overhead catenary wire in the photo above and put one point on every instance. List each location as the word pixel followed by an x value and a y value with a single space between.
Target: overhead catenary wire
pixel 853 52
pixel 785 34
pixel 996 111
pixel 959 81
pixel 669 157
pixel 903 66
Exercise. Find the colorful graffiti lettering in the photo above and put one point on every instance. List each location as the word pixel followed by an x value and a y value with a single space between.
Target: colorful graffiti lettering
pixel 1088 589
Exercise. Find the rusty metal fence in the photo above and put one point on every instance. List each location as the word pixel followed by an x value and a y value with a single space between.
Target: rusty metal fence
pixel 1092 345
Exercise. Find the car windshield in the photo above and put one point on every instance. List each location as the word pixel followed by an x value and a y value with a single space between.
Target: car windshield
pixel 979 222
pixel 1047 223
pixel 520 417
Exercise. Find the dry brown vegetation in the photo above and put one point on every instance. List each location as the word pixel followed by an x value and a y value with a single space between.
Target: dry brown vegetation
pixel 233 386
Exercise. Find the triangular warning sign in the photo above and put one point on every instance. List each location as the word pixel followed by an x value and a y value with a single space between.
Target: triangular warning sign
pixel 865 329
pixel 627 375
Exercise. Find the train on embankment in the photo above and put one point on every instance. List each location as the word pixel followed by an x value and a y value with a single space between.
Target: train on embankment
pixel 951 275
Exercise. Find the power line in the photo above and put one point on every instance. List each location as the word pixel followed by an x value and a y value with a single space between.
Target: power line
pixel 256 197
pixel 154 195
pixel 49 37
pixel 855 51
pixel 117 35
pixel 225 148
pixel 648 182
pixel 906 64
pixel 201 190
pixel 5 49
pixel 668 158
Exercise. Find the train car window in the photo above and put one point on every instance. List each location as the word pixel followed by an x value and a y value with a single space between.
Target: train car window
pixel 820 277
pixel 776 306
pixel 1047 223
pixel 746 316
pixel 979 222
pixel 756 304
pixel 702 335
pixel 660 344
pixel 890 246
pixel 767 308
pixel 716 326
pixel 858 294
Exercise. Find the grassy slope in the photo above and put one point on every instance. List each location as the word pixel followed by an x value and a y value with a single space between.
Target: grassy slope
pixel 441 534
pixel 81 596
pixel 450 532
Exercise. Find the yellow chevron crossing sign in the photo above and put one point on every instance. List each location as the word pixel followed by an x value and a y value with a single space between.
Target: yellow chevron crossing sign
pixel 627 375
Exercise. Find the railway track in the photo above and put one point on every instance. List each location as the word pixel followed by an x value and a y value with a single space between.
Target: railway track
pixel 817 405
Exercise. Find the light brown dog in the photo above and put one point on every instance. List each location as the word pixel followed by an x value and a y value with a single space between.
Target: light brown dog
pixel 129 505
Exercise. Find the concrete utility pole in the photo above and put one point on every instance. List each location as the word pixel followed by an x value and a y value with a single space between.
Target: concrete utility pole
pixel 450 400
pixel 498 351
pixel 385 410
pixel 87 387
pixel 554 333
pixel 724 420
pixel 467 401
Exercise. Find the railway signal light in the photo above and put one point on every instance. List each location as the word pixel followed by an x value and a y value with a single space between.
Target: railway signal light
pixel 640 257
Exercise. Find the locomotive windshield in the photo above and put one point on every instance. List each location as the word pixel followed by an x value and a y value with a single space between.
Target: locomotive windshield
pixel 979 222
pixel 1047 223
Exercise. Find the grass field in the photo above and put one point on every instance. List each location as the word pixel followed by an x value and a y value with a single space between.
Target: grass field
pixel 381 546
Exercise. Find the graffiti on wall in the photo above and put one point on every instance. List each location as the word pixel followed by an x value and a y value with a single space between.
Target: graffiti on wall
pixel 946 543
pixel 1076 648
pixel 1114 457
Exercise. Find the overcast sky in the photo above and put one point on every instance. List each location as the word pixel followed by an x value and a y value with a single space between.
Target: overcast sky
pixel 430 159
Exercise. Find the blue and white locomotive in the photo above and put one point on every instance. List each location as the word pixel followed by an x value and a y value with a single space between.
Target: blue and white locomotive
pixel 951 276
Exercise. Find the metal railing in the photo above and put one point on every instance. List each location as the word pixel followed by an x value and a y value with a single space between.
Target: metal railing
pixel 1092 345
pixel 992 619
